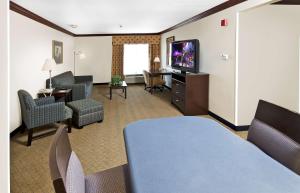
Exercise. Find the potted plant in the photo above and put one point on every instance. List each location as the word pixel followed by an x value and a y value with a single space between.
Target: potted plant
pixel 116 80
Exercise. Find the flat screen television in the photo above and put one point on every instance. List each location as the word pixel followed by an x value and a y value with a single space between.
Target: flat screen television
pixel 185 55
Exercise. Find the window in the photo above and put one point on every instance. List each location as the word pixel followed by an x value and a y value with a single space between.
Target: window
pixel 136 58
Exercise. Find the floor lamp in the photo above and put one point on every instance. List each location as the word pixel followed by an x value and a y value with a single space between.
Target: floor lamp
pixel 81 56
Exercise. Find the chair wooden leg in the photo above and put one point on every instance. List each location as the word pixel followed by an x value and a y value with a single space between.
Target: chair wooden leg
pixel 23 127
pixel 69 125
pixel 29 140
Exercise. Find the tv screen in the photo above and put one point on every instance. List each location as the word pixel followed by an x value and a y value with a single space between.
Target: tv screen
pixel 185 55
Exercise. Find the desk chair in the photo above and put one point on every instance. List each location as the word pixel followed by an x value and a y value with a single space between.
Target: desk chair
pixel 153 82
pixel 146 79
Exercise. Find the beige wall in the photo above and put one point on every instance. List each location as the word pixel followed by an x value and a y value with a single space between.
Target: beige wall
pixel 214 40
pixel 98 52
pixel 4 130
pixel 268 58
pixel 30 45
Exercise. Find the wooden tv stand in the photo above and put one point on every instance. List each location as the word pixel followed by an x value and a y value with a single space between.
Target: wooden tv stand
pixel 190 93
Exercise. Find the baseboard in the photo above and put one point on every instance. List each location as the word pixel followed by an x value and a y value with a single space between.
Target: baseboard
pixel 242 128
pixel 136 83
pixel 102 83
pixel 17 130
pixel 228 124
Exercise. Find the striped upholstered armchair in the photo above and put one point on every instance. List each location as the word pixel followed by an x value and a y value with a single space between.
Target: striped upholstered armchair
pixel 81 86
pixel 42 111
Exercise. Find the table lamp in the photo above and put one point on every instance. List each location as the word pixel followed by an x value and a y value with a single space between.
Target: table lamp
pixel 49 65
pixel 156 60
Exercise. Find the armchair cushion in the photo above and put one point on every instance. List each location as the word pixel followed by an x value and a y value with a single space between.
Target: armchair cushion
pixel 44 100
pixel 45 114
pixel 66 78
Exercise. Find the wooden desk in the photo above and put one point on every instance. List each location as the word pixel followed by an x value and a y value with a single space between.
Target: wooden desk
pixel 153 73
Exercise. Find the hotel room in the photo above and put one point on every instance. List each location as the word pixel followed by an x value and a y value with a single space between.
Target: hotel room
pixel 194 96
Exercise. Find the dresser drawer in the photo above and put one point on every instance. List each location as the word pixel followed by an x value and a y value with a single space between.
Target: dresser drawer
pixel 179 93
pixel 179 102
pixel 178 88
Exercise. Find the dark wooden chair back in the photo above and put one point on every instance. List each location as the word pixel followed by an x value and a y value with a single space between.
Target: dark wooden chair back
pixel 276 131
pixel 284 120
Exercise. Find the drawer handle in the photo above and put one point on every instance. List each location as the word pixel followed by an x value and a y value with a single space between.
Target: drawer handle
pixel 177 84
pixel 177 92
pixel 177 100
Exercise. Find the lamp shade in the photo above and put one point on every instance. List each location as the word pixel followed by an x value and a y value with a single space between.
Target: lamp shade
pixel 49 64
pixel 156 59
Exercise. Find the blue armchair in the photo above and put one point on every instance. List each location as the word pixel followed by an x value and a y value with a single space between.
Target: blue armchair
pixel 81 86
pixel 42 111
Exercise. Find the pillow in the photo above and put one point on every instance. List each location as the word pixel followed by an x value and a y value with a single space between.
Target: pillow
pixel 276 144
pixel 75 179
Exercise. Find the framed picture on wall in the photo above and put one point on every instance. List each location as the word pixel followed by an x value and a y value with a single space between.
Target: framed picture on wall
pixel 57 51
pixel 169 41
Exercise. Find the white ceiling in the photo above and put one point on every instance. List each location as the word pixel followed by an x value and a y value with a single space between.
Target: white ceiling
pixel 105 16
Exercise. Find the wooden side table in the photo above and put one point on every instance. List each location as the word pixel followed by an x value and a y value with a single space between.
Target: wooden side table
pixel 122 86
pixel 60 95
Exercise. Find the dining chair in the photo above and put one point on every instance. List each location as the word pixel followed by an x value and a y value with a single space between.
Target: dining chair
pixel 67 173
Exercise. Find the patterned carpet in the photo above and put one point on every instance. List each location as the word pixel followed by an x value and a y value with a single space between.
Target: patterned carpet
pixel 99 146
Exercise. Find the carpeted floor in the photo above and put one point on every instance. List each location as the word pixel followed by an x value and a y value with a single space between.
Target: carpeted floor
pixel 99 146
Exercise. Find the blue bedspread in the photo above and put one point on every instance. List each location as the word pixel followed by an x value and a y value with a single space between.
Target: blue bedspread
pixel 198 155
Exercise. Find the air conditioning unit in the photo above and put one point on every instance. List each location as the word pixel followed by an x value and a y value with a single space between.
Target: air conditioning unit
pixel 134 79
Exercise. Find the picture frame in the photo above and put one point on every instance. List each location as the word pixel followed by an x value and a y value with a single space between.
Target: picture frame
pixel 169 41
pixel 57 51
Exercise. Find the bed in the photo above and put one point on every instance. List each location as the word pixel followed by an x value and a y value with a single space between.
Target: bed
pixel 198 155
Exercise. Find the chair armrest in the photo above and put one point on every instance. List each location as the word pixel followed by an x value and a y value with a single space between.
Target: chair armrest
pixel 78 90
pixel 46 114
pixel 44 100
pixel 81 79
